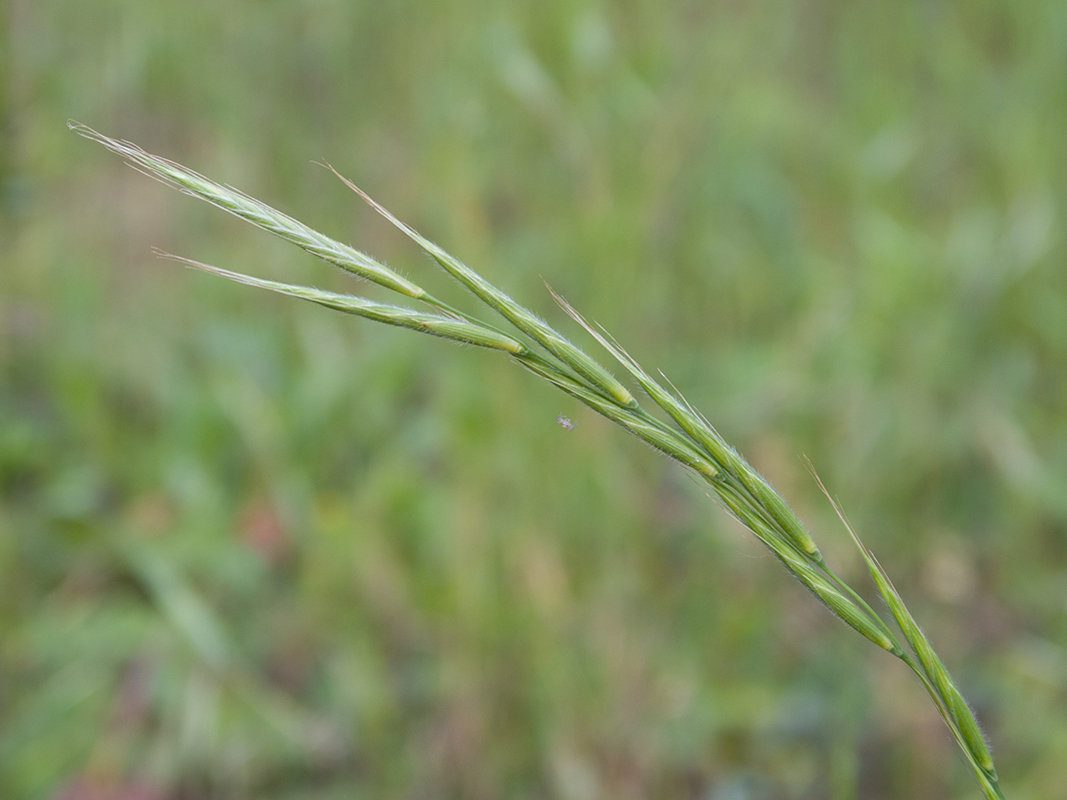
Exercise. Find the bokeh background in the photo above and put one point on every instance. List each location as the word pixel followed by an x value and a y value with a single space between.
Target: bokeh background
pixel 252 548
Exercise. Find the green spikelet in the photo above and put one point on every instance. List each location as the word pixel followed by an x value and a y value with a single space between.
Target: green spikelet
pixel 436 324
pixel 709 440
pixel 518 315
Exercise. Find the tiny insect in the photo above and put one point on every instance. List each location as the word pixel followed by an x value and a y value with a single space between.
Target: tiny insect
pixel 566 423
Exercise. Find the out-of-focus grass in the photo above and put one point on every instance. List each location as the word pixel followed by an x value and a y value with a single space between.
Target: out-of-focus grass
pixel 251 549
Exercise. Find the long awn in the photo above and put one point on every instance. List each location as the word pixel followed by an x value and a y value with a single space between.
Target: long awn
pixel 542 350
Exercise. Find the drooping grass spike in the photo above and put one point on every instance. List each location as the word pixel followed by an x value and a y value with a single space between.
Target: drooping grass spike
pixel 694 443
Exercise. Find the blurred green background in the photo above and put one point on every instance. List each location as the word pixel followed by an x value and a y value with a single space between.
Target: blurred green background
pixel 252 548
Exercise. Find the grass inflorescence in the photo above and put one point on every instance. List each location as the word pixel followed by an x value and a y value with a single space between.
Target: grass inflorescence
pixel 541 349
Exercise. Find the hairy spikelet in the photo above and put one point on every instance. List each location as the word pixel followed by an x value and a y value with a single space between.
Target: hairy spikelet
pixel 436 324
pixel 709 440
pixel 259 214
pixel 939 683
pixel 518 315
pixel 691 440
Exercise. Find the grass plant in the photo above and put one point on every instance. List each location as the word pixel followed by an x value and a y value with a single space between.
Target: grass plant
pixel 687 437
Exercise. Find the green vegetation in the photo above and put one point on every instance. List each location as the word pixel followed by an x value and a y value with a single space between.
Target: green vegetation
pixel 253 548
pixel 694 443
